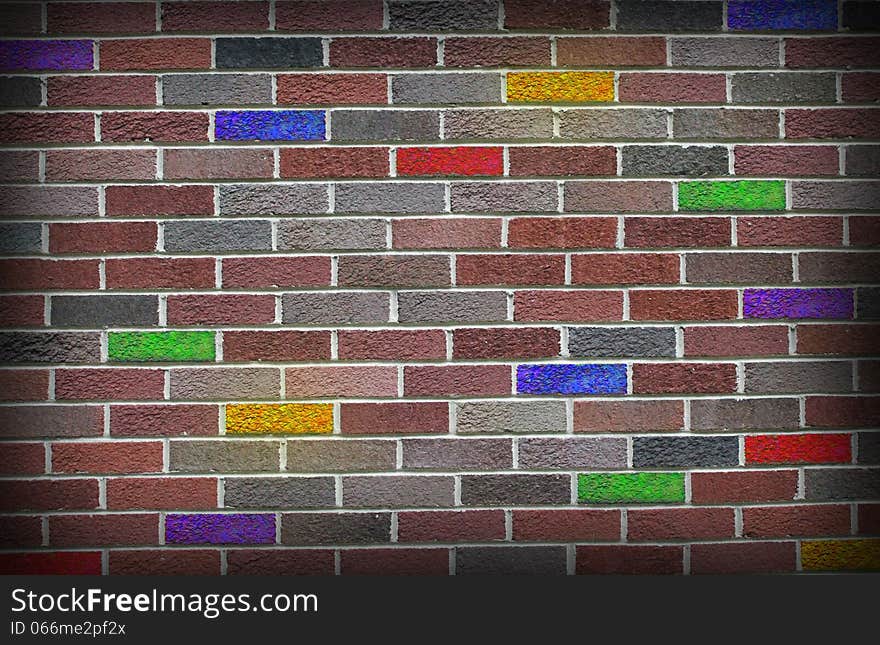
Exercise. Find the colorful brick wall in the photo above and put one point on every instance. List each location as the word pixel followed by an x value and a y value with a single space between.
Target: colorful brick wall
pixel 353 286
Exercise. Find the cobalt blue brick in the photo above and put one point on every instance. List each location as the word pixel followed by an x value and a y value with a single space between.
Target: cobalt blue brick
pixel 270 125
pixel 209 528
pixel 768 15
pixel 571 379
pixel 798 303
pixel 45 54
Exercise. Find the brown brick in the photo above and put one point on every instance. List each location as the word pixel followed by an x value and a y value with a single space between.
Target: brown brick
pixel 224 163
pixel 128 529
pixel 383 52
pixel 743 557
pixel 744 486
pixel 744 414
pixel 21 18
pixel 509 269
pixel 19 166
pixel 22 311
pixel 95 91
pixel 103 237
pixel 29 421
pixel 814 520
pixel 869 519
pixel 218 17
pixel 48 494
pixel 570 306
pixel 450 526
pixel 394 418
pixel 340 456
pixel 562 161
pixel 562 232
pixel 838 267
pixel 508 51
pixel 603 51
pixel 842 411
pixel 456 380
pixel 127 457
pixel 789 231
pixel 457 454
pixel 100 165
pixel 285 562
pixel 225 456
pixel 159 493
pixel 832 123
pixel 684 378
pixel 676 232
pixel 101 18
pixel 164 53
pixel 679 524
pixel 24 385
pixel 628 416
pixel 334 162
pixel 21 531
pixel 397 491
pixel 177 562
pixel 515 490
pixel 154 126
pixel 676 87
pixel 225 383
pixel 566 525
pixel 392 345
pixel 394 271
pixel 558 14
pixel 847 340
pixel 263 273
pixel 335 528
pixel 618 196
pixel 693 304
pixel 629 559
pixel 799 161
pixel 332 89
pixel 503 342
pixel 722 124
pixel 23 459
pixel 446 233
pixel 332 15
pixel 625 268
pixel 341 381
pixel 221 309
pixel 48 274
pixel 248 346
pixel 738 268
pixel 864 231
pixel 160 273
pixel 114 383
pixel 721 341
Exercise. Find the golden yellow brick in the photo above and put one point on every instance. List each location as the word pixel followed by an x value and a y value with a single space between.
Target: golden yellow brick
pixel 838 555
pixel 279 418
pixel 560 87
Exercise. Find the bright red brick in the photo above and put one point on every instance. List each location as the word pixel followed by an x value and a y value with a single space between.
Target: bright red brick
pixel 567 306
pixel 114 384
pixel 684 378
pixel 107 457
pixel 360 162
pixel 38 275
pixel 332 89
pixel 160 53
pixel 160 273
pixel 392 345
pixel 461 161
pixel 221 309
pixel 456 380
pixel 250 346
pixel 744 486
pixel 103 237
pixel 94 91
pixel 505 342
pixel 625 268
pixel 562 232
pixel 261 273
pixel 158 493
pixel 509 269
pixel 798 449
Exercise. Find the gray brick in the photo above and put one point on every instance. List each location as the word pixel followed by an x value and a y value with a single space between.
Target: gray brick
pixel 519 124
pixel 745 414
pixel 571 453
pixel 385 125
pixel 502 416
pixel 340 456
pixel 105 311
pixel 799 377
pixel 225 383
pixel 392 197
pixel 831 484
pixel 837 196
pixel 443 15
pixel 34 421
pixel 457 454
pixel 335 308
pixel 724 51
pixel 331 234
pixel 250 199
pixel 224 456
pixel 451 306
pixel 863 161
pixel 335 528
pixel 48 201
pixel 216 89
pixel 869 447
pixel 738 268
pixel 685 452
pixel 692 161
pixel 638 342
pixel 210 236
pixel 20 238
pixel 519 197
pixel 279 492
pixel 49 347
pixel 398 491
pixel 783 87
pixel 669 16
pixel 515 490
pixel 20 91
pixel 446 88
pixel 610 124
pixel 273 53
pixel 868 299
pixel 511 560
pixel 721 123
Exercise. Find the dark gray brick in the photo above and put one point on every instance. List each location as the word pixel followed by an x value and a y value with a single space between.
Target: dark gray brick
pixel 209 236
pixel 869 447
pixel 385 125
pixel 398 491
pixel 335 528
pixel 724 51
pixel 340 456
pixel 105 311
pixel 279 492
pixel 511 560
pixel 443 15
pixel 457 454
pixel 294 199
pixel 720 124
pixel 639 342
pixel 515 490
pixel 799 377
pixel 394 197
pixel 272 53
pixel 519 124
pixel 863 161
pixel 863 15
pixel 783 87
pixel 331 234
pixel 571 453
pixel 669 15
pixel 830 484
pixel 745 414
pixel 519 197
pixel 20 91
pixel 868 299
pixel 216 89
pixel 340 308
pixel 693 161
pixel 225 456
pixel 842 196
pixel 685 452
pixel 20 238
pixel 446 88
pixel 503 416
pixel 34 421
pixel 610 124
pixel 49 347
pixel 451 306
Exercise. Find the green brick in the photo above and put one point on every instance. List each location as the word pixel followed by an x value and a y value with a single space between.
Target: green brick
pixel 746 195
pixel 170 346
pixel 630 488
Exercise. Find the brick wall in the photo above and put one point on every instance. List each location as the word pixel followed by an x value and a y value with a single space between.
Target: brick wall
pixel 356 286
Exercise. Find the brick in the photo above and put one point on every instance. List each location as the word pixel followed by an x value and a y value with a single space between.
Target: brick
pixel 725 124
pixel 48 202
pixel 107 457
pixel 765 15
pixel 160 200
pixel 840 51
pixel 158 493
pixel 463 161
pixel 630 268
pixel 557 14
pixel 278 492
pixel 20 238
pixel 216 89
pixel 21 311
pixel 19 165
pixel 483 197
pixel 859 87
pixel 170 346
pixel 24 385
pixel 642 342
pixel 725 52
pixel 139 54
pixel 783 88
pixel 562 232
pixel 859 15
pixel 22 55
pixel 49 494
pixel 721 341
pixel 165 562
pixel 497 125
pixel 869 376
pixel 692 161
pixel 838 339
pixel 341 381
pixel 685 452
pixel 104 311
pixel 868 521
pixel 383 52
pixel 576 306
pixel 392 345
pixel 394 418
pixel 21 18
pixel 220 309
pixel 563 161
pixel 334 162
pixel 94 91
pixel 49 347
pixel 335 308
pixel 397 561
pixel 731 195
pixel 566 525
pixel 869 303
pixel 629 559
pixel 457 454
pixel 650 525
pixel 57 563
pixel 293 562
pixel 802 161
pixel 338 456
pixel 789 231
pixel 452 306
pixel 501 342
pixel 52 421
pixel 487 51
pixel 630 488
pixel 93 384
pixel 239 528
pixel 160 273
pixel 738 268
pixel 332 89
pixel 602 51
pixel 449 88
pixel 798 449
pixel 456 380
pixel 433 15
pixel 865 231
pixel 394 271
pixel 675 232
pixel 693 304
pixel 262 273
pixel 608 124
pixel 24 459
pixel 224 383
pixel 789 521
pixel 20 92
pixel 154 126
pixel 515 490
pixel 397 491
pixel 207 236
pixel 21 532
pixel 659 87
pixel 220 17
pixel 744 414
pixel 392 197
pixel 48 274
pixel 101 18
pixel 277 53
pixel 618 197
pixel 798 303
pixel 509 269
pixel 331 234
pixel 510 417
pixel 446 233
pixel 560 87
pixel 831 123
pixel 450 526
pixel 628 416
pixel 840 555
pixel 571 379
pixel 64 127
pixel 270 125
pixel 684 378
pixel 511 560
pixel 571 453
pixel 743 557
pixel 850 196
pixel 800 377
pixel 744 486
pixel 335 15
pixel 224 456
pixel 668 16
pixel 98 165
pixel 827 484
pixel 249 346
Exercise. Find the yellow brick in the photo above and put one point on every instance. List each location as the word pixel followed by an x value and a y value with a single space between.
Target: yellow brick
pixel 279 418
pixel 560 87
pixel 837 555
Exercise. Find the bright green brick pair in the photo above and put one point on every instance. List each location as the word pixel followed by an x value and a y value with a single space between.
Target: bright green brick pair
pixel 746 195
pixel 630 488
pixel 164 346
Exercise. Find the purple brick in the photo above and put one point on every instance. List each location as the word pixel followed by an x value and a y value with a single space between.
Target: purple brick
pixel 209 528
pixel 45 54
pixel 798 303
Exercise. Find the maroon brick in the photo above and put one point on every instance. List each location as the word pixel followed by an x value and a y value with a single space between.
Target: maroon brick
pixel 446 233
pixel 23 459
pixel 860 87
pixel 509 269
pixel 392 345
pixel 394 418
pixel 40 275
pixel 394 271
pixel 21 18
pixel 128 529
pixel 629 559
pixel 869 519
pixel 48 494
pixel 216 17
pixel 107 457
pixel 334 162
pixel 602 51
pixel 100 165
pixel 450 526
pixel 832 123
pixel 160 273
pixel 456 380
pixel 154 126
pixel 692 304
pixel 676 232
pixel 163 53
pixel 743 557
pixel 625 268
pixel 21 311
pixel 21 531
pixel 487 51
pixel 332 89
pixel 113 384
pixel 280 562
pixel 557 14
pixel 813 520
pixel 722 341
pixel 328 15
pixel 95 91
pixel 836 51
pixel 842 411
pixel 221 309
pixel 103 237
pixel 679 524
pixel 163 420
pixel 684 378
pixel 618 196
pixel 262 273
pixel 248 346
pixel 165 562
pixel 101 18
pixel 158 493
pixel 383 52
pixel 51 563
pixel 504 342
pixel 798 161
pixel 160 200
pixel 675 87
pixel 567 306
pixel 789 231
pixel 864 231
pixel 846 340
pixel 47 127
pixel 19 166
pixel 561 161
pixel 566 525
pixel 394 562
pixel 744 486
pixel 24 385
pixel 562 232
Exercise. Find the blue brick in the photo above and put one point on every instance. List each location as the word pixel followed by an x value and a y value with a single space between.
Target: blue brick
pixel 571 379
pixel 270 125
pixel 45 54
pixel 768 15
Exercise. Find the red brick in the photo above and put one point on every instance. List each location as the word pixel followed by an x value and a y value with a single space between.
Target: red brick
pixel 847 340
pixel 562 161
pixel 744 486
pixel 795 521
pixel 567 306
pixel 100 165
pixel 562 232
pixel 79 563
pixel 843 411
pixel 101 18
pixel 691 304
pixel 248 346
pixel 160 273
pixel 566 525
pixel 618 196
pixel 864 231
pixel 446 233
pixel 127 529
pixel 163 420
pixel 628 416
pixel 160 200
pixel 603 51
pixel 159 493
pixel 223 163
pixel 798 161
pixel 679 524
pixel 442 161
pixel 789 231
pixel 383 52
pixel 394 418
pixel 107 457
pixel 860 87
pixel 260 273
pixel 280 562
pixel 869 519
pixel 509 269
pixel 339 381
pixel 20 165
pixel 221 309
pixel 392 345
pixel 115 383
pixel 505 342
pixel 328 15
pixel 839 51
pixel 676 232
pixel 103 237
pixel 160 53
pixel 487 51
pixel 21 18
pixel 39 275
pixel 48 494
pixel 798 449
pixel 656 87
pixel 557 14
pixel 629 559
pixel 332 89
pixel 24 385
pixel 450 526
pixel 168 127
pixel 394 562
pixel 21 311
pixel 832 123
pixel 164 562
pixel 47 127
pixel 20 531
pixel 625 268
pixel 94 91
pixel 684 378
pixel 763 340
pixel 215 17
pixel 23 459
pixel 334 162
pixel 743 557
pixel 456 380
